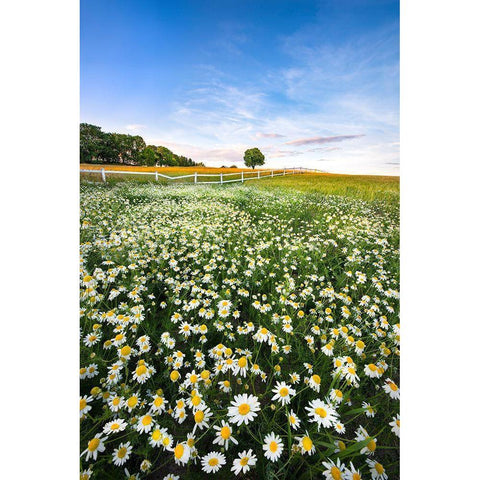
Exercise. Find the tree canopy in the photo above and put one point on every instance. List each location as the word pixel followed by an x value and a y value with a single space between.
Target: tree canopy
pixel 103 147
pixel 253 157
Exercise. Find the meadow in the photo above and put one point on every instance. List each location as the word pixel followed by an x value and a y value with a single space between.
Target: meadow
pixel 243 331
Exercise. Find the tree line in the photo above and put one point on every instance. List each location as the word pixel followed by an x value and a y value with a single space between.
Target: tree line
pixel 103 147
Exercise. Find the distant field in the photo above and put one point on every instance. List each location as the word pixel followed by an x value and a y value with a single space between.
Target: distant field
pixel 165 170
pixel 365 187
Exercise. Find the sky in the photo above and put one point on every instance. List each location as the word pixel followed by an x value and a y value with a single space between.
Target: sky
pixel 311 83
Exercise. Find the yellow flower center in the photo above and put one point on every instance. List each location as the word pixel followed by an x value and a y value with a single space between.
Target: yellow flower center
pixel 393 387
pixel 341 445
pixel 125 351
pixel 213 462
pixel 371 445
pixel 316 379
pixel 244 408
pixel 226 384
pixel 115 401
pixel 242 362
pixel 336 473
pixel 193 379
pixel 83 403
pixel 360 345
pixel 122 452
pixel 321 412
pixel 244 461
pixel 141 370
pixel 156 435
pixel 147 420
pixel 196 400
pixel 174 376
pixel 114 426
pixel 372 367
pixel 283 392
pixel 356 476
pixel 178 452
pixel 158 401
pixel 225 433
pixel 273 447
pixel 379 468
pixel 263 331
pixel 307 443
pixel 199 416
pixel 93 444
pixel 132 401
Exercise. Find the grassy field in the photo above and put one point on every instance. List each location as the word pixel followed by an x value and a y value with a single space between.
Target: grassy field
pixel 246 331
pixel 365 187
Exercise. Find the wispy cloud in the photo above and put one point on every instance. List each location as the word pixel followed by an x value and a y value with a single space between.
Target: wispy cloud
pixel 322 140
pixel 268 135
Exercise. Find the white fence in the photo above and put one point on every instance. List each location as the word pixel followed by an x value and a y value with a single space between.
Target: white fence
pixel 195 177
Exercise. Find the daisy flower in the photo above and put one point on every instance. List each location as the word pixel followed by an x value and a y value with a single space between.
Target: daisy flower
pixel 314 382
pixel 115 426
pixel 243 409
pixel 376 470
pixel 244 461
pixel 305 444
pixel 224 435
pixel 322 413
pixel 352 473
pixel 293 420
pixel 95 445
pixel 212 462
pixel 334 471
pixel 339 427
pixel 144 424
pixel 181 453
pixel 121 454
pixel 84 407
pixel 371 370
pixel 273 447
pixel 395 424
pixel 392 389
pixel 201 418
pixel 156 438
pixel 283 393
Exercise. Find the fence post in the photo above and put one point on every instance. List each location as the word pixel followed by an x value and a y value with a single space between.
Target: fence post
pixel 156 176
pixel 284 171
pixel 258 174
pixel 272 173
pixel 242 176
pixel 195 177
pixel 221 179
pixel 103 175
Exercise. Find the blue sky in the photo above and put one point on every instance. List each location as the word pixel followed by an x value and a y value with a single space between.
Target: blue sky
pixel 310 83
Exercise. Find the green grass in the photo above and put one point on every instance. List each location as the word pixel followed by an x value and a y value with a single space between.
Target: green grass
pixel 364 187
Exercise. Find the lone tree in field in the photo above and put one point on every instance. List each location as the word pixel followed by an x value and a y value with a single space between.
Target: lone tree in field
pixel 253 157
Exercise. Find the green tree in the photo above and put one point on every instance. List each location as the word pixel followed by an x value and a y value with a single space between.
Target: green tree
pixel 91 143
pixel 253 157
pixel 149 156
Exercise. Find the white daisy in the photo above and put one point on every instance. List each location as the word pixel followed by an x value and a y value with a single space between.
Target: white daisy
pixel 224 435
pixel 181 453
pixel 334 471
pixel 322 413
pixel 212 462
pixel 115 426
pixel 244 461
pixel 273 447
pixel 121 454
pixel 305 444
pixel 243 409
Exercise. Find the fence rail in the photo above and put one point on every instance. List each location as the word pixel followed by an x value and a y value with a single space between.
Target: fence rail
pixel 243 174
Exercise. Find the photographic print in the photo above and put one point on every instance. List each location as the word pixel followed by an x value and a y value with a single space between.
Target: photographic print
pixel 239 240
